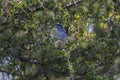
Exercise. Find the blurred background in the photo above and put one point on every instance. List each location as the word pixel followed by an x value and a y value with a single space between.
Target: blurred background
pixel 27 50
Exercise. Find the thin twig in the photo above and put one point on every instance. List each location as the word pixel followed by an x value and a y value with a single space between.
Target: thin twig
pixel 70 5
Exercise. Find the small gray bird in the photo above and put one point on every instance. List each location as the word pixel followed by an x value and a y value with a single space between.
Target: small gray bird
pixel 61 34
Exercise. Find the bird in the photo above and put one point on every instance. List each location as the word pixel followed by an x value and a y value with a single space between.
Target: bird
pixel 60 33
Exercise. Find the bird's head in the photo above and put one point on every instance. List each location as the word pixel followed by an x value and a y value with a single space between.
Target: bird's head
pixel 59 26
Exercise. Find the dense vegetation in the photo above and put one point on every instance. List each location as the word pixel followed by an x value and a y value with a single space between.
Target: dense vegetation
pixel 27 50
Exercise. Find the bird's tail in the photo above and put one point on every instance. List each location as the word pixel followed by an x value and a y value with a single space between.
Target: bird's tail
pixel 66 29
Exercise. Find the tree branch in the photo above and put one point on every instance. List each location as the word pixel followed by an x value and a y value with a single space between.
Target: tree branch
pixel 31 61
pixel 38 8
pixel 70 5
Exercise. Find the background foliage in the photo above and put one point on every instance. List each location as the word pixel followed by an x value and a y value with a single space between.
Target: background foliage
pixel 28 52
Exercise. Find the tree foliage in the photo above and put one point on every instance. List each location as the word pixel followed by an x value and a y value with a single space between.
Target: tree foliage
pixel 27 50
